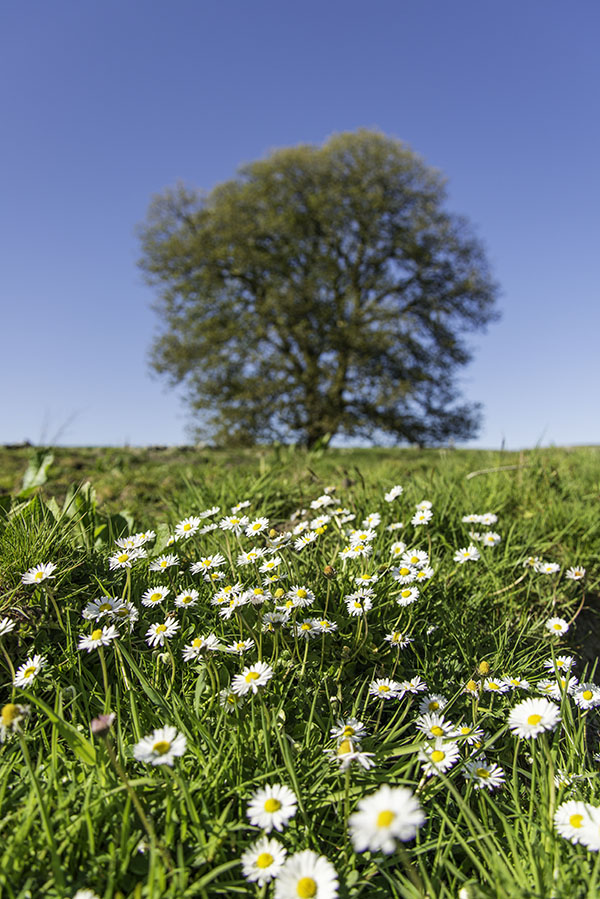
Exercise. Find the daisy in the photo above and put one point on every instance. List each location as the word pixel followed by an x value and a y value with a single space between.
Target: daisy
pixel 414 685
pixel 208 512
pixel 587 696
pixel 433 702
pixel 351 729
pixel 160 747
pixel 230 701
pixel 484 774
pixel 557 626
pixel 398 639
pixel 548 567
pixel 472 736
pixel 158 633
pixel 164 562
pixel 405 574
pixel 423 516
pixel 324 626
pixel 490 538
pixel 187 599
pixel 424 574
pixel 271 621
pixel 571 818
pixel 533 716
pixel 407 596
pixel 6 626
pixel 560 663
pixel 240 646
pixel 270 565
pixel 11 716
pixel 301 596
pixel 188 527
pixel 393 494
pixel 488 518
pixel 590 836
pixel 207 563
pixel 575 574
pixel 415 557
pixel 470 554
pixel 383 818
pixel 272 807
pixel 438 757
pixel 251 678
pixel 102 636
pixel 305 540
pixel 126 557
pixel 305 629
pixel 154 595
pixel 324 500
pixel 434 726
pixel 126 611
pixel 39 573
pixel 358 605
pixel 234 523
pixel 256 527
pixel 98 608
pixel 395 526
pixel 516 683
pixel 362 579
pixel 424 505
pixel 199 646
pixel 384 688
pixel 263 861
pixel 495 685
pixel 86 894
pixel 372 520
pixel 397 548
pixel 306 874
pixel 347 752
pixel 29 670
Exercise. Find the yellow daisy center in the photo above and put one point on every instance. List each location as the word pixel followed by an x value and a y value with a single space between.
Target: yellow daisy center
pixel 534 719
pixel 576 820
pixel 383 688
pixel 29 672
pixel 437 731
pixel 163 564
pixel 264 860
pixel 301 594
pixel 197 642
pixel 272 805
pixel 438 756
pixel 123 557
pixel 252 675
pixel 465 730
pixel 587 694
pixel 385 818
pixel 344 747
pixel 404 571
pixel 406 593
pixel 482 772
pixel 161 628
pixel 306 888
pixel 9 713
pixel 348 731
pixel 162 747
pixel 156 597
pixel 105 607
pixel 187 527
pixel 97 634
pixel 433 705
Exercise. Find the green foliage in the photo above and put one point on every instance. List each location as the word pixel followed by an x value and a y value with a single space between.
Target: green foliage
pixel 68 820
pixel 325 290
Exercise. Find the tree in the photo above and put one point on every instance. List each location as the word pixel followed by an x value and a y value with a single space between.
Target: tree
pixel 323 290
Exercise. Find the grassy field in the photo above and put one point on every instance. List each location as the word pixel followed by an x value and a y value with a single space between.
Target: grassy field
pixel 340 682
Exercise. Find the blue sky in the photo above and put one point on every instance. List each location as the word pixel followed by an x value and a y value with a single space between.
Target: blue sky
pixel 105 104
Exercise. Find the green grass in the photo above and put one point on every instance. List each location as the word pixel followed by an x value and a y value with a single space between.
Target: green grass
pixel 73 817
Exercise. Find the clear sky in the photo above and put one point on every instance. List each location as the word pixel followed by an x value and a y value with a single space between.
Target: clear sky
pixel 103 104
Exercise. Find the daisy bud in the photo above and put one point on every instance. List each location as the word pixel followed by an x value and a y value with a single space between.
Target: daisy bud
pixel 101 725
pixel 279 593
pixel 273 533
pixel 484 668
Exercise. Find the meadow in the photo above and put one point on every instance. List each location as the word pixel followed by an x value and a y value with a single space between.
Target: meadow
pixel 271 672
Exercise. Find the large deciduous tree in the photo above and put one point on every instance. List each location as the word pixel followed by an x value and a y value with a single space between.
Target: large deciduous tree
pixel 323 290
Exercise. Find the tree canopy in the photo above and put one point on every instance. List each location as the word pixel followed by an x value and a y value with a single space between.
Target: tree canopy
pixel 324 290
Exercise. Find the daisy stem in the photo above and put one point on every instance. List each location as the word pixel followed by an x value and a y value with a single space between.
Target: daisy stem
pixel 56 867
pixel 410 869
pixel 105 679
pixel 305 657
pixel 346 801
pixel 8 661
pixel 56 609
pixel 172 657
pixel 146 822
pixel 127 591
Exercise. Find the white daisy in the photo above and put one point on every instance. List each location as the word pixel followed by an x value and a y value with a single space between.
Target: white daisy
pixel 575 574
pixel 587 696
pixel 398 639
pixel 160 747
pixel 158 633
pixel 393 494
pixel 188 527
pixel 126 557
pixel 29 670
pixel 272 807
pixel 39 573
pixel 384 688
pixel 483 774
pixel 470 554
pixel 349 729
pixel 306 874
pixel 407 596
pixel 433 702
pixel 263 861
pixel 531 717
pixel 154 595
pixel 187 599
pixel 164 562
pixel 557 626
pixel 102 636
pixel 570 819
pixel 405 574
pixel 6 626
pixel 383 818
pixel 422 516
pixel 251 678
pixel 11 716
pixel 200 646
pixel 438 757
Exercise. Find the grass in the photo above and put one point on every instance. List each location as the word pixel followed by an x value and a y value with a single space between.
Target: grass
pixel 78 811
